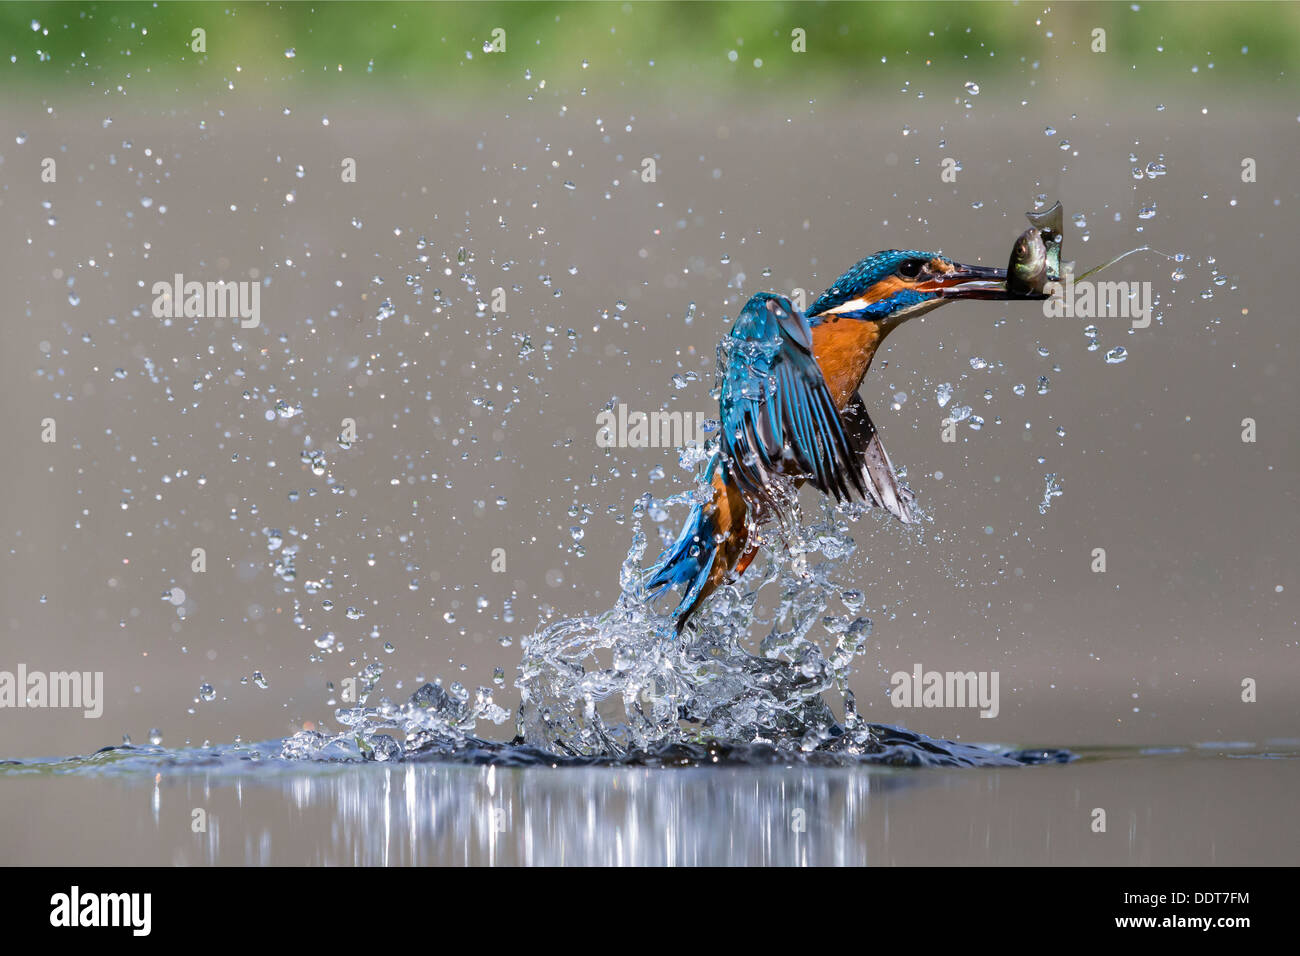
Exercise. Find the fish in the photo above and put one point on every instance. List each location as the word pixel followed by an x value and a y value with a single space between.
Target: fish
pixel 1036 256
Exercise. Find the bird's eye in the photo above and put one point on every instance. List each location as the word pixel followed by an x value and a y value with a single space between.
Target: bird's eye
pixel 910 269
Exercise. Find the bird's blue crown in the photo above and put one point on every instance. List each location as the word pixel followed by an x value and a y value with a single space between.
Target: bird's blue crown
pixel 858 281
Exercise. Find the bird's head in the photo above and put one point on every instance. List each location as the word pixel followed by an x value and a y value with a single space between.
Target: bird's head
pixel 889 287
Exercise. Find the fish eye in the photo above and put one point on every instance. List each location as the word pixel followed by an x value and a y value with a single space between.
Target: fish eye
pixel 910 269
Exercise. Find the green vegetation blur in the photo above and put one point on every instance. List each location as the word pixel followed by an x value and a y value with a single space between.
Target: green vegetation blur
pixel 740 46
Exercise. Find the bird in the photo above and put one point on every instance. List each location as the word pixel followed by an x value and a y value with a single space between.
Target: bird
pixel 791 412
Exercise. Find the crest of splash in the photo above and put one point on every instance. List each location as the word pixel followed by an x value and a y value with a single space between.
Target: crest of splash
pixel 622 681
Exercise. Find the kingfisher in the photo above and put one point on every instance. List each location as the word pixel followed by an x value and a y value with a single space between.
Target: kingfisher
pixel 791 412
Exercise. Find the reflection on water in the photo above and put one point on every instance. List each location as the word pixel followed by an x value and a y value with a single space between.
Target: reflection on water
pixel 488 802
pixel 420 814
pixel 445 814
pixel 1171 806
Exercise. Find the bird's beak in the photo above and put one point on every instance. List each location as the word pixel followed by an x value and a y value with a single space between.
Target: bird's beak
pixel 974 282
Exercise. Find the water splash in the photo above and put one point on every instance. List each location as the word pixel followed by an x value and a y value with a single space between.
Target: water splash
pixel 620 682
pixel 1051 489
pixel 620 688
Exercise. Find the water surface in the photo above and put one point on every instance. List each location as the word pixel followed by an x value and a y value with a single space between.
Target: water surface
pixel 1208 804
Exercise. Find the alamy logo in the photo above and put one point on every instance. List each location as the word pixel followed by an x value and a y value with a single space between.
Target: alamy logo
pixel 656 430
pixel 179 299
pixel 923 688
pixel 1099 300
pixel 74 908
pixel 37 689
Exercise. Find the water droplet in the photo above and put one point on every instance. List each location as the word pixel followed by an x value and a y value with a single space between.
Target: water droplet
pixel 1052 489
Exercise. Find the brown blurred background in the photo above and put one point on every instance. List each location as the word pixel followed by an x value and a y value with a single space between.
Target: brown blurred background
pixel 477 431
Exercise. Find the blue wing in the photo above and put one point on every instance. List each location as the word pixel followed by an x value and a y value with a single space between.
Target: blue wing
pixel 777 413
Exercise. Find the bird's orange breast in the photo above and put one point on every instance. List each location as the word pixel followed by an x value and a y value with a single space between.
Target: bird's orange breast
pixel 843 349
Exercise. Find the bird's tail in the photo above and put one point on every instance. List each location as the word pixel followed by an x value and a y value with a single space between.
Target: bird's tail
pixel 710 545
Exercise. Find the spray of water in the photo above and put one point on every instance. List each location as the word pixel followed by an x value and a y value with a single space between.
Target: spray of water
pixel 622 688
pixel 622 681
